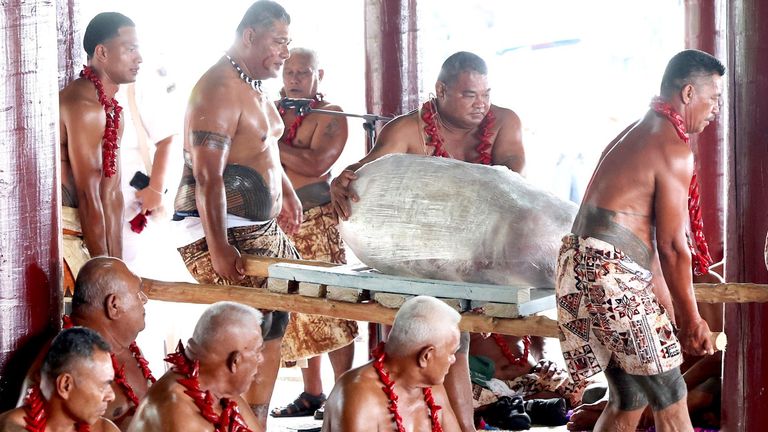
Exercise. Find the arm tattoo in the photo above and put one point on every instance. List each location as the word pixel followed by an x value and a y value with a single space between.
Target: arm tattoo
pixel 331 128
pixel 211 140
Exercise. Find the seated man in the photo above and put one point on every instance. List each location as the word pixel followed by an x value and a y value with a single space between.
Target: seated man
pixel 74 389
pixel 203 389
pixel 402 389
pixel 525 367
pixel 108 298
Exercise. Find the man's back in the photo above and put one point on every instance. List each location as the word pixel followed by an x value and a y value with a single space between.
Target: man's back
pixel 357 402
pixel 619 205
pixel 167 406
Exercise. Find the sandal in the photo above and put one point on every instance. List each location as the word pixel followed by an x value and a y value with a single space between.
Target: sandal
pixel 304 405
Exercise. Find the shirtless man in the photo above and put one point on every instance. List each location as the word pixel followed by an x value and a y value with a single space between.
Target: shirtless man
pixel 221 361
pixel 632 222
pixel 467 127
pixel 75 388
pixel 416 358
pixel 310 145
pixel 108 299
pixel 91 129
pixel 233 186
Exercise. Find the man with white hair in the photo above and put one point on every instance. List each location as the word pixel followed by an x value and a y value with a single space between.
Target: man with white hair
pixel 75 387
pixel 402 389
pixel 203 388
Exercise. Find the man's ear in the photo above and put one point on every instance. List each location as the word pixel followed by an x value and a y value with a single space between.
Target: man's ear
pixel 233 361
pixel 64 384
pixel 249 36
pixel 426 355
pixel 686 93
pixel 112 306
pixel 100 53
pixel 320 74
pixel 440 88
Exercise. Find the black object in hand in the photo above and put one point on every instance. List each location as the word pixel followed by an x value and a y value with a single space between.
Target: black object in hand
pixel 139 180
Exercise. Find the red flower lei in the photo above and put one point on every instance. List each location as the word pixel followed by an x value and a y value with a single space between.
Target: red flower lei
pixel 112 109
pixel 513 359
pixel 290 135
pixel 120 378
pixel 389 389
pixel 35 416
pixel 230 419
pixel 700 254
pixel 428 114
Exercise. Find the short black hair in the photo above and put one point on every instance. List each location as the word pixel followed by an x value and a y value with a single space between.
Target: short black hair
pixel 687 65
pixel 263 14
pixel 459 62
pixel 102 28
pixel 76 343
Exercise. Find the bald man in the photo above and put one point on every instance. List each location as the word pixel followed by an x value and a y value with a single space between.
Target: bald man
pixel 108 298
pixel 74 391
pixel 419 351
pixel 221 359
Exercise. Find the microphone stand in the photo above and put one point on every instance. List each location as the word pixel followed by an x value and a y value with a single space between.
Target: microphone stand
pixel 369 123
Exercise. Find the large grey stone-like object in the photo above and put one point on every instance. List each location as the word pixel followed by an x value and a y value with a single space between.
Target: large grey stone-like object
pixel 439 218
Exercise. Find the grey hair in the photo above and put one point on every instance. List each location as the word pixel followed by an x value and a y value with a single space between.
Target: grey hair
pixel 312 54
pixel 222 318
pixel 459 62
pixel 418 323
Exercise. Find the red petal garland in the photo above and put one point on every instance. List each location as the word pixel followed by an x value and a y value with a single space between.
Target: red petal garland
pixel 429 113
pixel 290 135
pixel 700 257
pixel 112 110
pixel 389 389
pixel 230 419
pixel 35 416
pixel 513 359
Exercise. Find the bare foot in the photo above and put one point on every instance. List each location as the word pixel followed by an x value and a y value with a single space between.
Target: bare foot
pixel 585 416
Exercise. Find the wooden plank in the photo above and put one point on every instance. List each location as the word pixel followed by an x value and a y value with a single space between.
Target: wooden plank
pixel 312 290
pixel 370 312
pixel 731 293
pixel 349 276
pixel 259 265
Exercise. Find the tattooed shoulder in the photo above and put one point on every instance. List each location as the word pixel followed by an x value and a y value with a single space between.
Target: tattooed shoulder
pixel 211 140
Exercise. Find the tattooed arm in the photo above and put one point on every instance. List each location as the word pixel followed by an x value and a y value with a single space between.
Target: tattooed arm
pixel 211 124
pixel 328 140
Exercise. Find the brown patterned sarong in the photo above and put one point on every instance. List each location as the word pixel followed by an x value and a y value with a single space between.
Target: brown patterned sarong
pixel 311 335
pixel 606 310
pixel 265 239
pixel 74 252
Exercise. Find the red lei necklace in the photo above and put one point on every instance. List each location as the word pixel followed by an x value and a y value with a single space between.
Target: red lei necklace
pixel 290 135
pixel 428 114
pixel 512 358
pixel 230 419
pixel 35 416
pixel 389 390
pixel 112 109
pixel 120 378
pixel 699 254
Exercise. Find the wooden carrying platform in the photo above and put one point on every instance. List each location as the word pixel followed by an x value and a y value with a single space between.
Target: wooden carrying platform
pixel 359 293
